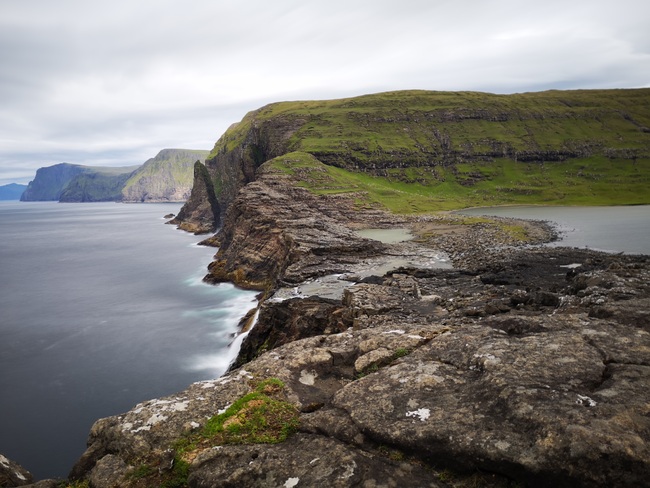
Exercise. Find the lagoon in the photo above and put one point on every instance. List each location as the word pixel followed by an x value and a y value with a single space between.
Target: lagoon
pixel 612 229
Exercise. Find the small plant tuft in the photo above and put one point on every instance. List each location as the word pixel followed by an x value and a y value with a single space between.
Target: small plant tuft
pixel 255 418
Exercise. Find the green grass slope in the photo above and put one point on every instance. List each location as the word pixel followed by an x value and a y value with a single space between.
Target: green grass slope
pixel 170 168
pixel 418 151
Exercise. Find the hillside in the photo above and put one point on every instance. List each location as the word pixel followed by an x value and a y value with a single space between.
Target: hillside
pixel 167 177
pixel 12 191
pixel 75 182
pixel 97 185
pixel 445 150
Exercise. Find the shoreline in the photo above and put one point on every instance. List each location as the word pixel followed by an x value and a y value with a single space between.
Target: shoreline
pixel 333 356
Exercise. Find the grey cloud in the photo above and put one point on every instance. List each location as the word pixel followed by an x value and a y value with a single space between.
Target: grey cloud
pixel 115 81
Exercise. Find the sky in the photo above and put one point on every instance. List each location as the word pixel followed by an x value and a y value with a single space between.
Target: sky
pixel 111 83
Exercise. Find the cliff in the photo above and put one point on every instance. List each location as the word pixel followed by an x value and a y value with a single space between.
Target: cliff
pixel 457 149
pixel 95 186
pixel 76 183
pixel 201 213
pixel 168 177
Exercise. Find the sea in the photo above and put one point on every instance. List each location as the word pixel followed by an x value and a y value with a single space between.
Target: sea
pixel 102 306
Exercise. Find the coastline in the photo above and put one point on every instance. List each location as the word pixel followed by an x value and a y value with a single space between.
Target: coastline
pixel 466 336
pixel 460 330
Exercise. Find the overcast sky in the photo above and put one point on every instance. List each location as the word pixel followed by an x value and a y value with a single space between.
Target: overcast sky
pixel 111 83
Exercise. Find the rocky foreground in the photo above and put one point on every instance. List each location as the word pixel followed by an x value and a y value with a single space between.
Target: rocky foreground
pixel 373 364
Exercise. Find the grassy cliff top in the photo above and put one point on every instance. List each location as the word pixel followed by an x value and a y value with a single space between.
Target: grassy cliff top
pixel 404 120
pixel 419 151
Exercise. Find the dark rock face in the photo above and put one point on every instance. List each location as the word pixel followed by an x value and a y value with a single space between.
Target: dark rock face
pixel 234 165
pixel 272 226
pixel 201 214
pixel 49 182
pixel 284 322
pixel 13 474
pixel 94 187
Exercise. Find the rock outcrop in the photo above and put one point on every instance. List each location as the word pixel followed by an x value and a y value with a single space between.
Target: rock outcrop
pixel 521 366
pixel 13 474
pixel 272 225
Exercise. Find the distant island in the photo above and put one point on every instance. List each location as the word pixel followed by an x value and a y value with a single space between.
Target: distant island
pixel 12 191
pixel 164 178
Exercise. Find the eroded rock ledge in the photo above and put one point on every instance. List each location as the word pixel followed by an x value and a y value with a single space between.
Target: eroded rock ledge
pixel 530 367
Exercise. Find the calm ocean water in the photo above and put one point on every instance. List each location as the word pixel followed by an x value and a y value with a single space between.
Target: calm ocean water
pixel 611 229
pixel 101 307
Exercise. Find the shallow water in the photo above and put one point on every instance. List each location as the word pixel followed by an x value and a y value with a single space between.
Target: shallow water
pixel 387 236
pixel 613 229
pixel 102 306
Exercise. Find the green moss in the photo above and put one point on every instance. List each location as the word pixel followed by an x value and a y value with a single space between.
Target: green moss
pixel 142 471
pixel 260 417
pixel 74 484
pixel 256 418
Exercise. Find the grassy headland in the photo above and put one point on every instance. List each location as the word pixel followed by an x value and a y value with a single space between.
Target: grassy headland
pixel 420 151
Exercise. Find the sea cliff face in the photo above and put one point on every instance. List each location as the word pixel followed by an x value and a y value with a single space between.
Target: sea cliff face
pixel 168 177
pixel 49 182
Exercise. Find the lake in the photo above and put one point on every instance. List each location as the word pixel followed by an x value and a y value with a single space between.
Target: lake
pixel 612 229
pixel 102 306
